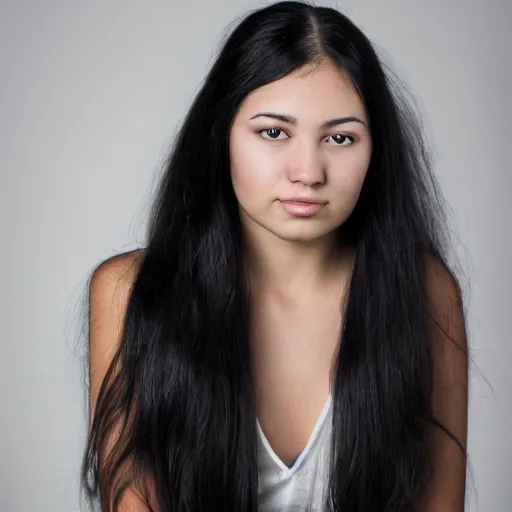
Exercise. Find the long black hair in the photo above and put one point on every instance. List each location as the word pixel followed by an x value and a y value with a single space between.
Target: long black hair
pixel 182 372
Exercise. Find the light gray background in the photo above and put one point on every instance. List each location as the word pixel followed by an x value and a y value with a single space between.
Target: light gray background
pixel 90 96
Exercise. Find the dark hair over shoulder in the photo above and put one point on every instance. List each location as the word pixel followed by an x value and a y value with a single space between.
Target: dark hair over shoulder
pixel 185 378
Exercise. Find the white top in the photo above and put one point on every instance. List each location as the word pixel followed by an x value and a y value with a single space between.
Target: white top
pixel 300 487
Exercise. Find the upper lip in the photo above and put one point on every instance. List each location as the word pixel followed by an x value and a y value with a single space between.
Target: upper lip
pixel 303 200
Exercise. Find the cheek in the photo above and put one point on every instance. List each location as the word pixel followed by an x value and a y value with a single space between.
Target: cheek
pixel 244 178
pixel 348 181
pixel 252 178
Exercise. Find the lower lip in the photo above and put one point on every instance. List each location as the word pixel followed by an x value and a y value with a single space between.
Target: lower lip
pixel 301 209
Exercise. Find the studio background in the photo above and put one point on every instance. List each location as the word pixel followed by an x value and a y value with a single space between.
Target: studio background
pixel 91 96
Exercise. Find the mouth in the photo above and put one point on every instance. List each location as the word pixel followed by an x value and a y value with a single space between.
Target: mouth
pixel 302 207
pixel 302 200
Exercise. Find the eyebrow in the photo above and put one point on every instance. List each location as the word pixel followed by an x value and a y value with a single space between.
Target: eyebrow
pixel 292 120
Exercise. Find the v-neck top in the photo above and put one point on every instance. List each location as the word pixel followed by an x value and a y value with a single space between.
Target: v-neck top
pixel 302 486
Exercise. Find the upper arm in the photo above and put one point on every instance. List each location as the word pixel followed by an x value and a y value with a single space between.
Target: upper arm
pixel 109 293
pixel 450 391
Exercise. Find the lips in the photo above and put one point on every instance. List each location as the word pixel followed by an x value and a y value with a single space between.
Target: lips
pixel 301 207
pixel 302 200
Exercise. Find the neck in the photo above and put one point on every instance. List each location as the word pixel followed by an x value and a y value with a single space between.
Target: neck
pixel 292 270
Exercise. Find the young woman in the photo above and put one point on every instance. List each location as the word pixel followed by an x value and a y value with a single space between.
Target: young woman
pixel 291 337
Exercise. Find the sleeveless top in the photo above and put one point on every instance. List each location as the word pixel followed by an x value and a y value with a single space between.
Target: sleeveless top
pixel 302 486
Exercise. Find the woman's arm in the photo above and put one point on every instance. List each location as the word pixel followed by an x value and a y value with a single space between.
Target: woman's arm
pixel 108 298
pixel 446 492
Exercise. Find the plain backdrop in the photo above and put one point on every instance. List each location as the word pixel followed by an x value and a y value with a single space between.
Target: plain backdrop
pixel 91 95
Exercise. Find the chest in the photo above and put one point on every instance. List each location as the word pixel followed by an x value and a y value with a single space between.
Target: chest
pixel 293 351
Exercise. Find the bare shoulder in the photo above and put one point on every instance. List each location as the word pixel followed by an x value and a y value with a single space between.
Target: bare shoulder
pixel 118 271
pixel 445 300
pixel 440 278
pixel 109 292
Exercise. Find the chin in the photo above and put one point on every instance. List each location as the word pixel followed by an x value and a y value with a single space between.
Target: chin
pixel 302 233
pixel 298 230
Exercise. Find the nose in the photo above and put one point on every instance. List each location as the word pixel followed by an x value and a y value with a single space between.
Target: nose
pixel 306 165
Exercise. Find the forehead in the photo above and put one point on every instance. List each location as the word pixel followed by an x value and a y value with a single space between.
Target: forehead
pixel 314 91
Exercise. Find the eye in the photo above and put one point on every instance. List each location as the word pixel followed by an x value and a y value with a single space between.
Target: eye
pixel 340 139
pixel 271 133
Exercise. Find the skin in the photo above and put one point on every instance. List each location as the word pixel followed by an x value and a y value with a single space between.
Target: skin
pixel 298 266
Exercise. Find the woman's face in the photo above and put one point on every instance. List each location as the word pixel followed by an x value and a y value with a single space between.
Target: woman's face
pixel 299 151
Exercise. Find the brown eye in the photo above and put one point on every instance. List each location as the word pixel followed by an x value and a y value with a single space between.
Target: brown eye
pixel 271 133
pixel 340 139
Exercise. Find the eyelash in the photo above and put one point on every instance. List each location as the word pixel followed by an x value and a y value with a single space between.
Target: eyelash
pixel 352 140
